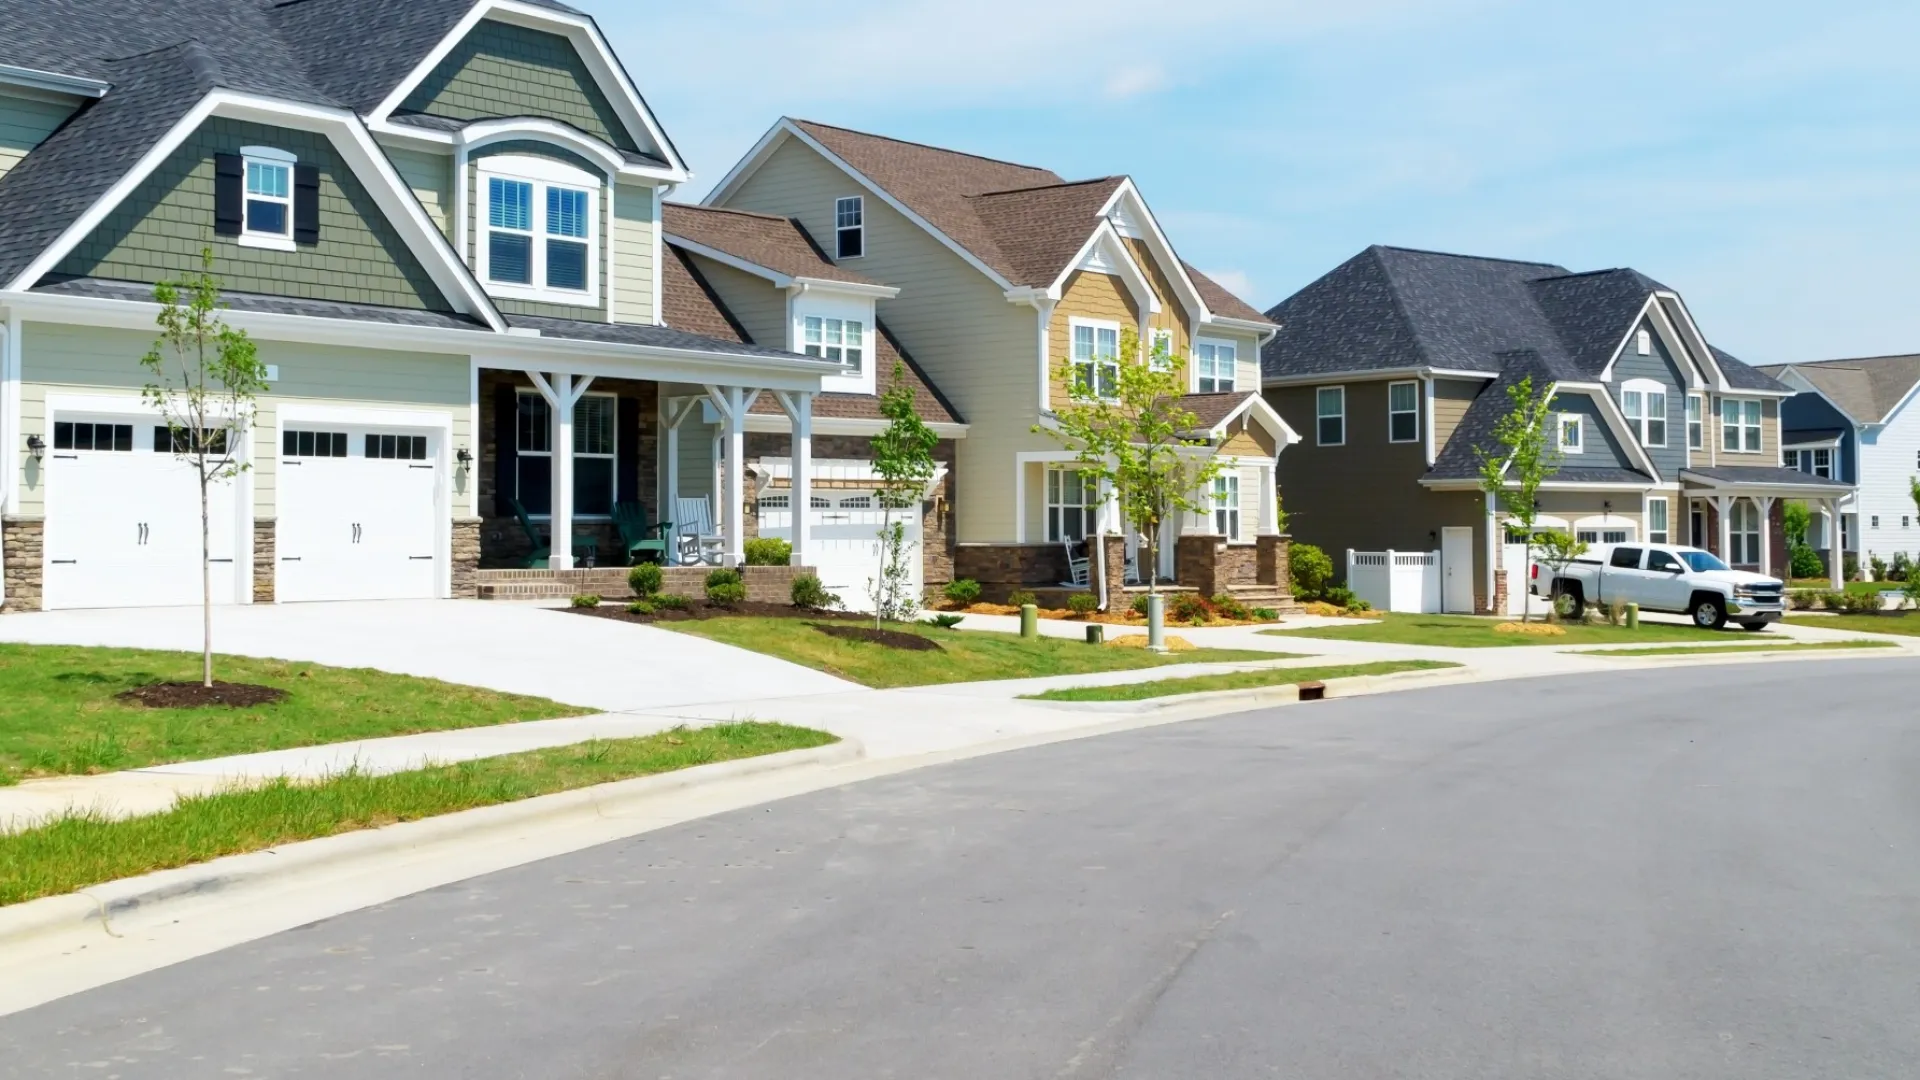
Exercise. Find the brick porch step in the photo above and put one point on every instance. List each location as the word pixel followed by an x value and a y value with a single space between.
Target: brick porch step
pixel 1268 596
pixel 765 584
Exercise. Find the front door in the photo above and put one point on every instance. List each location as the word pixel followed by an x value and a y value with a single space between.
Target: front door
pixel 1699 522
pixel 1456 566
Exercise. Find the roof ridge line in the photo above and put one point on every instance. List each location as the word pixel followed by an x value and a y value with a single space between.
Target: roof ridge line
pixel 1043 187
pixel 724 210
pixel 1461 255
pixel 921 145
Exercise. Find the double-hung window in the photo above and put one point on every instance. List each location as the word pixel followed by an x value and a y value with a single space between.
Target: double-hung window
pixel 850 227
pixel 1403 412
pixel 841 340
pixel 1330 415
pixel 1215 362
pixel 1573 433
pixel 267 212
pixel 1814 462
pixel 1071 499
pixel 1226 506
pixel 539 235
pixel 1740 425
pixel 1160 355
pixel 1644 403
pixel 1743 527
pixel 1096 359
pixel 1657 521
pixel 595 449
pixel 1696 424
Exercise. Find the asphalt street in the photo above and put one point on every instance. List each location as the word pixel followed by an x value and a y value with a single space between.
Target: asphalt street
pixel 1702 872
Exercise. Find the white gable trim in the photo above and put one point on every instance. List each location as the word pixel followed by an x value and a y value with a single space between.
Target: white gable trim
pixel 1105 253
pixel 1616 421
pixel 779 280
pixel 1792 377
pixel 344 130
pixel 786 129
pixel 1257 408
pixel 1701 349
pixel 1653 311
pixel 1137 213
pixel 602 64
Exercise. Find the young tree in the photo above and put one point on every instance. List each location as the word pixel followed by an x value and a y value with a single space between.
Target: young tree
pixel 903 458
pixel 1802 561
pixel 205 378
pixel 1512 476
pixel 1557 550
pixel 1130 435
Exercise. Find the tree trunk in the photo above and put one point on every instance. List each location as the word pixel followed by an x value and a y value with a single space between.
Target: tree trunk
pixel 884 587
pixel 206 587
pixel 1526 575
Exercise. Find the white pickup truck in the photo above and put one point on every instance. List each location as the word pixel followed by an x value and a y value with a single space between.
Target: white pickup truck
pixel 1663 577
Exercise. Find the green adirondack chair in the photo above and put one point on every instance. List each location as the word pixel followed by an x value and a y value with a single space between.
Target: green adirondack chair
pixel 643 539
pixel 584 544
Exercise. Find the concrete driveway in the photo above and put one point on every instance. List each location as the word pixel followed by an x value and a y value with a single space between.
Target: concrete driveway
pixel 517 648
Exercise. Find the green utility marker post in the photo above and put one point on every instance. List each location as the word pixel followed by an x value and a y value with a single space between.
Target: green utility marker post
pixel 1029 620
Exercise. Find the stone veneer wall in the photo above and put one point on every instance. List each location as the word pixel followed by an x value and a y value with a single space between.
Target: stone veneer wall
pixel 22 538
pixel 466 557
pixel 1002 568
pixel 264 561
pixel 1274 555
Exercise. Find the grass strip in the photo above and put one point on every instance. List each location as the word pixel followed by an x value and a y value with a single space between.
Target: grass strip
pixel 964 655
pixel 1235 680
pixel 1477 632
pixel 1904 623
pixel 1689 650
pixel 59 715
pixel 85 849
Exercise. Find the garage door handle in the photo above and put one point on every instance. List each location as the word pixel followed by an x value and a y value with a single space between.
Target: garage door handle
pixel 66 457
pixel 289 558
pixel 220 560
pixel 291 461
pixel 418 558
pixel 419 466
pixel 65 562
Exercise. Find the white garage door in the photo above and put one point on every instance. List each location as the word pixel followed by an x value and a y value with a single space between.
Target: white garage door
pixel 358 513
pixel 123 518
pixel 844 546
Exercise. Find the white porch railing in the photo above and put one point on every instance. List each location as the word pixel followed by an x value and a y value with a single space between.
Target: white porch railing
pixel 1407 581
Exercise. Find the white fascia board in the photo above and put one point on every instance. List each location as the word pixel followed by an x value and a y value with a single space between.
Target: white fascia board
pixel 1265 331
pixel 347 135
pixel 858 289
pixel 1616 420
pixel 1817 444
pixel 1107 238
pixel 1256 406
pixel 419 138
pixel 584 34
pixel 787 129
pixel 486 132
pixel 1374 374
pixel 52 82
pixel 778 279
pixel 1701 346
pixel 832 425
pixel 1162 249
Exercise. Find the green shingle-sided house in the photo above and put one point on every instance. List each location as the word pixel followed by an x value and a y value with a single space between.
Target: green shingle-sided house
pixel 441 221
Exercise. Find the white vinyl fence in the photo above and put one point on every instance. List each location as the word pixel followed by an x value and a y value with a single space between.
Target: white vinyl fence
pixel 1406 581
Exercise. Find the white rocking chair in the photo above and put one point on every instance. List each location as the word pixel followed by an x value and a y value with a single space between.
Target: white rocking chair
pixel 694 538
pixel 1076 567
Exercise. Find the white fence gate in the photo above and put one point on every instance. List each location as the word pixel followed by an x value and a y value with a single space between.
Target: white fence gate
pixel 1407 581
pixel 844 541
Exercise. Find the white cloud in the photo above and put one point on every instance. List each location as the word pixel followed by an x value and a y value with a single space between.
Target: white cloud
pixel 1137 80
pixel 1236 282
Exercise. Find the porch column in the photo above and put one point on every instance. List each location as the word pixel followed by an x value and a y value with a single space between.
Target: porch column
pixel 676 415
pixel 1836 549
pixel 1269 499
pixel 1766 533
pixel 798 406
pixel 1723 505
pixel 562 392
pixel 733 403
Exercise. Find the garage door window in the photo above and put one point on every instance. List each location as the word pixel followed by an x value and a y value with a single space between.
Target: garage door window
pixel 169 441
pixel 397 447
pixel 595 448
pixel 313 444
pixel 84 436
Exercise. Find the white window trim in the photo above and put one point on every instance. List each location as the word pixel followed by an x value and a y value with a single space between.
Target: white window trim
pixel 266 155
pixel 552 433
pixel 1317 391
pixel 1688 419
pixel 1233 378
pixel 1413 412
pixel 1643 342
pixel 1647 513
pixel 1074 323
pixel 541 173
pixel 1646 388
pixel 1056 510
pixel 1761 427
pixel 861 201
pixel 1560 433
pixel 1161 358
pixel 1226 504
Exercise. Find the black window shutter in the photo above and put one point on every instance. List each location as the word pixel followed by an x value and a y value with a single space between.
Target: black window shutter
pixel 506 448
pixel 627 451
pixel 306 204
pixel 229 201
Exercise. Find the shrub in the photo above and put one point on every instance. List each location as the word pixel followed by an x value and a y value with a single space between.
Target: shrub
pixel 1356 604
pixel 585 600
pixel 639 607
pixel 964 592
pixel 671 602
pixel 726 594
pixel 1021 598
pixel 1901 567
pixel 768 551
pixel 1853 603
pixel 1230 607
pixel 1140 605
pixel 1879 566
pixel 1083 603
pixel 1850 568
pixel 1804 599
pixel 1266 614
pixel 645 579
pixel 808 592
pixel 1188 607
pixel 1311 570
pixel 1804 562
pixel 1341 596
pixel 944 622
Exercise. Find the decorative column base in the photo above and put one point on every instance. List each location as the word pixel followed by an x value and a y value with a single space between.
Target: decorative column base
pixel 466 558
pixel 23 539
pixel 264 561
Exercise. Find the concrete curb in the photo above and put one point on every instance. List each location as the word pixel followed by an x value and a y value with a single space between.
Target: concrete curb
pixel 1749 654
pixel 98 905
pixel 1260 696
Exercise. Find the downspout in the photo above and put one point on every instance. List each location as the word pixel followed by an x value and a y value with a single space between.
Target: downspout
pixel 1100 544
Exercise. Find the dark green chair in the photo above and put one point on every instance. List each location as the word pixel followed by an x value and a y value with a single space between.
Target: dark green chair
pixel 643 539
pixel 584 544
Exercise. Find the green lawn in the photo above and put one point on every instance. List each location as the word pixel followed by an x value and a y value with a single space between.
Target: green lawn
pixel 1472 632
pixel 964 656
pixel 58 714
pixel 1784 646
pixel 1236 680
pixel 81 850
pixel 1864 587
pixel 1906 623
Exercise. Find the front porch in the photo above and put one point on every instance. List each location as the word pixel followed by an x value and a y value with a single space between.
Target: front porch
pixel 1738 514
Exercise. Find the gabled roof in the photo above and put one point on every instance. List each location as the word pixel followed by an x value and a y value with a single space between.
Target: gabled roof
pixel 1397 309
pixel 1867 389
pixel 1456 460
pixel 774 243
pixel 933 406
pixel 1039 230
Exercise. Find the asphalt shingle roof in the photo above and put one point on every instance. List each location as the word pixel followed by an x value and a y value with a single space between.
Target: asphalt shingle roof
pixel 1457 460
pixel 1866 389
pixel 1760 474
pixel 1038 230
pixel 777 243
pixel 280 305
pixel 1209 409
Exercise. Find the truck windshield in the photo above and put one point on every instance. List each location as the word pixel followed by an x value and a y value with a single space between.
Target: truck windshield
pixel 1702 561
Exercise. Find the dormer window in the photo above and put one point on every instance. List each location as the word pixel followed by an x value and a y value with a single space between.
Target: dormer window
pixel 1215 361
pixel 850 227
pixel 263 199
pixel 1643 342
pixel 539 231
pixel 842 340
pixel 269 198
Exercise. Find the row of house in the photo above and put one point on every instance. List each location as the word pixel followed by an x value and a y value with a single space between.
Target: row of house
pixel 487 326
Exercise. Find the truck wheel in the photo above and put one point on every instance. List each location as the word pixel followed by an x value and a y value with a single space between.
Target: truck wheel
pixel 1570 605
pixel 1709 613
pixel 1753 627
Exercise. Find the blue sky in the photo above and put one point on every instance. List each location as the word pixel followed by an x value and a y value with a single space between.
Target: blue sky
pixel 1761 157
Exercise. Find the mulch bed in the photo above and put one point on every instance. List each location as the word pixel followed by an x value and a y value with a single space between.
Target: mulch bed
pixel 193 695
pixel 700 609
pixel 892 639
